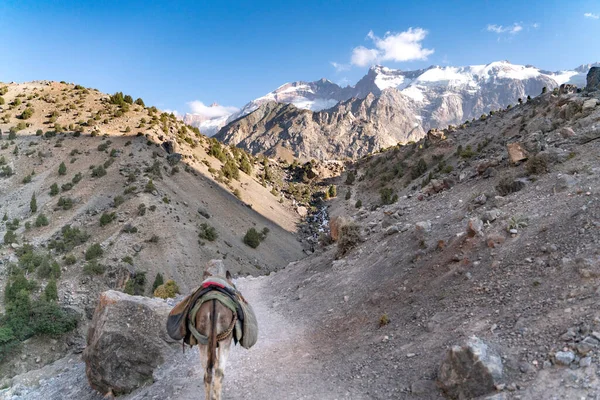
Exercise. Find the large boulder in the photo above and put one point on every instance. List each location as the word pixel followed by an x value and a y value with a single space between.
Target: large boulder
pixel 127 340
pixel 593 79
pixel 470 371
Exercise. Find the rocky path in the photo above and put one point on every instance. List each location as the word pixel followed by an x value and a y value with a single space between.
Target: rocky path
pixel 281 365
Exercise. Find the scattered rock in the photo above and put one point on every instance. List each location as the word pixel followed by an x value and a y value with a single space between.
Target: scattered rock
pixel 490 215
pixel 471 370
pixel 170 146
pixel 423 227
pixel 203 212
pixel 564 357
pixel 392 230
pixel 127 340
pixel 590 104
pixel 516 152
pixel 475 227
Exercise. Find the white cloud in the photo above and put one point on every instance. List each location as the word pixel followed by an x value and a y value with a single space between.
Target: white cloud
pixel 535 25
pixel 592 16
pixel 403 46
pixel 499 29
pixel 340 67
pixel 213 111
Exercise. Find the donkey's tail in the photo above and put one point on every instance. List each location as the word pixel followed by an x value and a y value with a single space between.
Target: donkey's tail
pixel 212 343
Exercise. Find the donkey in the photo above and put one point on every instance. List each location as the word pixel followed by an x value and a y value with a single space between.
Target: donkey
pixel 214 320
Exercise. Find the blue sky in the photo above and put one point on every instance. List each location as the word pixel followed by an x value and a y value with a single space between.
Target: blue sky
pixel 171 53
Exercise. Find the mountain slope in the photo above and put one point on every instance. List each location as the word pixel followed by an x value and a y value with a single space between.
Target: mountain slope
pixel 424 86
pixel 352 128
pixel 372 317
pixel 104 169
pixel 435 97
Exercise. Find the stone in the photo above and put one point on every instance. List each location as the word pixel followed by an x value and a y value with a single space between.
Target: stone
pixel 513 231
pixel 127 340
pixel 585 362
pixel 593 79
pixel 564 357
pixel 174 158
pixel 170 146
pixel 481 199
pixel 423 227
pixel 590 104
pixel 490 215
pixel 203 212
pixel 567 132
pixel 334 226
pixel 475 227
pixel 392 230
pixel 470 371
pixel 516 152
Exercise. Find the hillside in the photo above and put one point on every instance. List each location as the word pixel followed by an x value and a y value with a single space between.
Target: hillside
pixel 488 230
pixel 103 170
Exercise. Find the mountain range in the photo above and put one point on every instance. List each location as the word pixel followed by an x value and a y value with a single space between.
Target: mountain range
pixel 385 107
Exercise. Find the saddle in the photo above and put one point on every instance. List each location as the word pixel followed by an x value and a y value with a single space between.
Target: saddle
pixel 181 319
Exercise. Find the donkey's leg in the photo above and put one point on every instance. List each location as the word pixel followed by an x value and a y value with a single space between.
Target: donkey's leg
pixel 203 360
pixel 223 355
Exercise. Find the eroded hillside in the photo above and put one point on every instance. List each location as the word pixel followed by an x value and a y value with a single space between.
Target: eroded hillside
pixel 123 193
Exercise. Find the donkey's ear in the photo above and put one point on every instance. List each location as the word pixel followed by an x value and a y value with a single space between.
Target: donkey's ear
pixel 206 275
pixel 228 275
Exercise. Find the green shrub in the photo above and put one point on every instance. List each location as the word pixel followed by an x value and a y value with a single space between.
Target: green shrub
pixel 128 228
pixel 348 195
pixel 51 291
pixel 167 290
pixel 350 178
pixel 93 268
pixel 62 169
pixel 332 191
pixel 135 284
pixel 33 204
pixel 41 220
pixel 388 196
pixel 10 237
pixel 27 113
pixel 49 319
pixel 158 280
pixel 419 169
pixel 107 218
pixel 70 259
pixel 54 189
pixel 66 187
pixel 77 178
pixel 98 172
pixel 118 200
pixel 66 203
pixel 93 252
pixel 26 179
pixel 253 238
pixel 68 239
pixel 208 232
pixel 230 170
pixel 149 188
pixel 358 204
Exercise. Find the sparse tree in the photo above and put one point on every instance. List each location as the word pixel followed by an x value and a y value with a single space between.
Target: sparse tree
pixel 33 204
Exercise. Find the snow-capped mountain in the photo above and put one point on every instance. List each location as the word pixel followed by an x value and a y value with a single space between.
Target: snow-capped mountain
pixel 440 95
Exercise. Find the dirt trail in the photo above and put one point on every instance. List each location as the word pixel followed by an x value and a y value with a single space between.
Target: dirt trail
pixel 281 365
